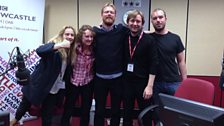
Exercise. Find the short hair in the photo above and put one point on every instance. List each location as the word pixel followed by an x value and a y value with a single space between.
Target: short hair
pixel 134 13
pixel 159 9
pixel 108 5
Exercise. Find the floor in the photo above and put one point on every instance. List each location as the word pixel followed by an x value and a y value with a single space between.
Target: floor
pixel 56 119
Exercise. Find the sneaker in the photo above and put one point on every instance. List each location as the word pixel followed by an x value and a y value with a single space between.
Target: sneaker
pixel 159 124
pixel 13 122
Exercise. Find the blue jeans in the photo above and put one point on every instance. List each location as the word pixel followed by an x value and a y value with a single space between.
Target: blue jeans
pixel 164 87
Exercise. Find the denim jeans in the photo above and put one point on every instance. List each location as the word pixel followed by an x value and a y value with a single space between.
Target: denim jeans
pixel 164 87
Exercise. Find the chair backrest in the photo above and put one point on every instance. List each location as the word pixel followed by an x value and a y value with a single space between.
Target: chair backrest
pixel 196 90
pixel 192 89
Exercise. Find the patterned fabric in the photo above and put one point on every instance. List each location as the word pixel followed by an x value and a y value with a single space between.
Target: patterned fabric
pixel 83 68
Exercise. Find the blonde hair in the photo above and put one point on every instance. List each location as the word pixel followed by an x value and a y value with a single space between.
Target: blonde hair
pixel 65 53
pixel 108 5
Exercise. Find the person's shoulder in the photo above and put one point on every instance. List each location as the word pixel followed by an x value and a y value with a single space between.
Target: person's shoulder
pixel 149 33
pixel 120 26
pixel 148 36
pixel 152 33
pixel 96 28
pixel 173 34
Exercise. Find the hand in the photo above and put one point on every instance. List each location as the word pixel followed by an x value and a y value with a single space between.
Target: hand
pixel 63 44
pixel 147 94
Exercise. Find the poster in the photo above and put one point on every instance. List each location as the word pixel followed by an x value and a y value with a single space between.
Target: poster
pixel 21 25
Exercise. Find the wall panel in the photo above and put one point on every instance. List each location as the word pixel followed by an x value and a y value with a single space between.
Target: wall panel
pixel 90 11
pixel 59 13
pixel 176 11
pixel 205 37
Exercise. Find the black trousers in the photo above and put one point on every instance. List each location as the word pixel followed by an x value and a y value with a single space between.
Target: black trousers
pixel 133 89
pixel 101 90
pixel 47 107
pixel 72 94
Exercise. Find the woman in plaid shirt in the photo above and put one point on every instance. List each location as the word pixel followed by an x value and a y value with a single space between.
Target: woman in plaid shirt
pixel 81 77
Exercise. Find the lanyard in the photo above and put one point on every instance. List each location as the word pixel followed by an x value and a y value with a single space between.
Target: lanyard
pixel 132 51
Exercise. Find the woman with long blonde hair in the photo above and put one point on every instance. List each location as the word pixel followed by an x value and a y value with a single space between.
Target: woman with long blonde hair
pixel 47 81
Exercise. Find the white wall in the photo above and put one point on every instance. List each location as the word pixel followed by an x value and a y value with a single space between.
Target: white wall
pixel 202 38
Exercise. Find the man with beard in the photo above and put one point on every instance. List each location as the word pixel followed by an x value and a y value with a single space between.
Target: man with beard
pixel 172 68
pixel 140 68
pixel 108 65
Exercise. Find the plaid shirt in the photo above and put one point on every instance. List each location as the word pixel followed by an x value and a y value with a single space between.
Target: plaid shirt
pixel 83 68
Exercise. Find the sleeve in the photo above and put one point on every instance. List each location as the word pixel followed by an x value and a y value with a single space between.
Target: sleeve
pixel 153 51
pixel 180 46
pixel 45 49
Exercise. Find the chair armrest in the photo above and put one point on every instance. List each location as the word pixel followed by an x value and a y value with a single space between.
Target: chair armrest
pixel 143 112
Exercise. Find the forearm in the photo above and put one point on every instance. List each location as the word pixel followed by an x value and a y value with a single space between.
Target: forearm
pixel 183 70
pixel 151 80
pixel 148 91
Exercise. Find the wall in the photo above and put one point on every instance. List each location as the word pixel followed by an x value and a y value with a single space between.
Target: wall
pixel 59 13
pixel 205 41
pixel 198 22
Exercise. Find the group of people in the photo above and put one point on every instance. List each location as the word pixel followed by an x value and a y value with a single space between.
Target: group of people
pixel 111 58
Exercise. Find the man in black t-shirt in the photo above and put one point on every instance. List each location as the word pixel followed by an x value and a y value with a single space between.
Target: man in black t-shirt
pixel 172 68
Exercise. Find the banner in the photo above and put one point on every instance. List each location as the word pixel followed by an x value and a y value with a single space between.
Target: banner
pixel 21 25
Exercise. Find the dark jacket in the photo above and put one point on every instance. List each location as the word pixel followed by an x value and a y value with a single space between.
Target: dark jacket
pixel 109 50
pixel 45 74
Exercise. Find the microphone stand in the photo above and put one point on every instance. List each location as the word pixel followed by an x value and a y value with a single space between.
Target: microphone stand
pixel 12 66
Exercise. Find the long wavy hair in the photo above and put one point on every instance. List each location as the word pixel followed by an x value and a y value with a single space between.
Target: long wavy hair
pixel 79 41
pixel 65 53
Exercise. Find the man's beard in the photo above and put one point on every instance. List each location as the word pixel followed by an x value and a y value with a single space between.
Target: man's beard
pixel 109 23
pixel 159 29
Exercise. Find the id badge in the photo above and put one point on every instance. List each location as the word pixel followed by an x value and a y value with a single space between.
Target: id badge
pixel 130 67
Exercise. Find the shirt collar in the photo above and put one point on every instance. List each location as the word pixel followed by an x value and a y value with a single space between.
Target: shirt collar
pixel 138 35
pixel 108 29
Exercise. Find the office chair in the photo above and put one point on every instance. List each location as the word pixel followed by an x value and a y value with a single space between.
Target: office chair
pixel 192 89
pixel 196 90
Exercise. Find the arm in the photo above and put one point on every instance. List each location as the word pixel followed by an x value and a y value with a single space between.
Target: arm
pixel 182 65
pixel 149 88
pixel 48 48
pixel 148 91
pixel 64 44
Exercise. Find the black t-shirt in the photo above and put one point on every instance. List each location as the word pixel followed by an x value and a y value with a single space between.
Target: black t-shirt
pixel 169 45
